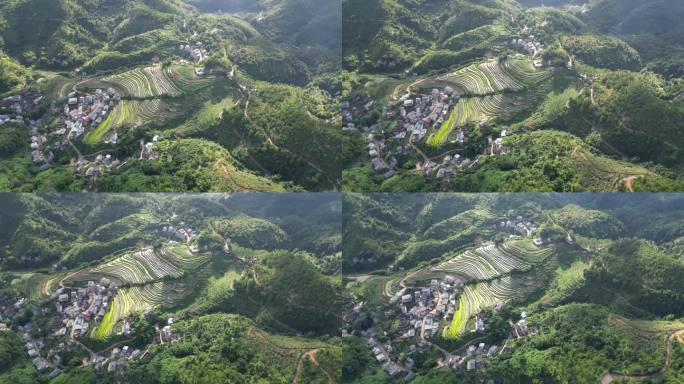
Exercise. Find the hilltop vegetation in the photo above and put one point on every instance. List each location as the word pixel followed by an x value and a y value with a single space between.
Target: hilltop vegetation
pixel 250 232
pixel 187 165
pixel 589 333
pixel 12 75
pixel 224 347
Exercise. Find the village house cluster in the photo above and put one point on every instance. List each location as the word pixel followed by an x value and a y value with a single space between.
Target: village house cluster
pixel 36 349
pixel 73 312
pixel 474 358
pixel 77 308
pixel 181 231
pixel 420 313
pixel 117 361
pixel 147 152
pixel 81 111
pixel 519 225
pixel 9 306
pixel 13 109
pixel 18 105
pixel 496 147
pixel 412 116
pixel 446 166
pixel 532 46
pixel 197 52
pixel 98 166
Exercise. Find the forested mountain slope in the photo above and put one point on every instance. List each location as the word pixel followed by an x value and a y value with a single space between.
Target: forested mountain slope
pixel 135 79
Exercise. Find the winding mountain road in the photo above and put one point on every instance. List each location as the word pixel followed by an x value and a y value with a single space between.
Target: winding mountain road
pixel 610 377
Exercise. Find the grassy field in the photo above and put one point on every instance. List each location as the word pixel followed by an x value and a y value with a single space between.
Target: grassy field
pixel 385 89
pixel 284 351
pixel 647 337
pixel 209 114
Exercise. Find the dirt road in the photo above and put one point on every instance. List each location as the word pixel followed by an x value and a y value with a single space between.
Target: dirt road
pixel 311 355
pixel 609 377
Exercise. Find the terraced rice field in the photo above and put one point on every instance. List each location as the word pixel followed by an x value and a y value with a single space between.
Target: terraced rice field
pixel 135 83
pixel 138 268
pixel 126 113
pixel 525 250
pixel 150 275
pixel 486 85
pixel 181 257
pixel 184 78
pixel 490 261
pixel 473 110
pixel 129 301
pixel 493 77
pixel 144 267
pixel 155 81
pixel 477 297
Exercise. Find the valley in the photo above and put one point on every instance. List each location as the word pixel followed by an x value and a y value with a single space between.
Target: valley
pixel 150 74
pixel 155 274
pixel 472 285
pixel 466 102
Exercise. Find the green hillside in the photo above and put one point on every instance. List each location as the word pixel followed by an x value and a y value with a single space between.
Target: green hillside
pixel 603 71
pixel 515 288
pixel 215 283
pixel 171 70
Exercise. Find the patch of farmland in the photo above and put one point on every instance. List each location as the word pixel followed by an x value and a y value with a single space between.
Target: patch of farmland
pixel 182 258
pixel 525 72
pixel 37 285
pixel 145 82
pixel 491 261
pixel 478 110
pixel 143 267
pixel 493 77
pixel 184 78
pixel 138 268
pixel 128 301
pixel 126 113
pixel 162 83
pixel 525 250
pixel 482 263
pixel 476 297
